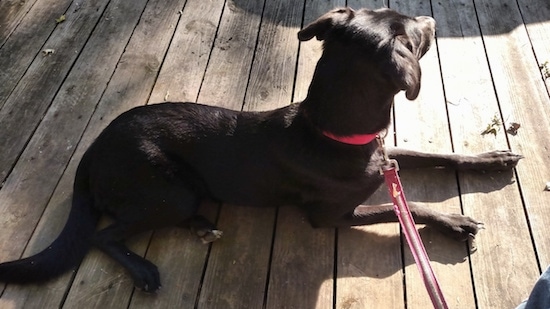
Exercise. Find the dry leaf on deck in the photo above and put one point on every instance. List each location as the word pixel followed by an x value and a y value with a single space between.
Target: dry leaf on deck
pixel 513 128
pixel 545 69
pixel 493 127
pixel 60 19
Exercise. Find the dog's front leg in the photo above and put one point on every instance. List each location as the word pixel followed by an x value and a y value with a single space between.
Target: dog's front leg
pixel 493 160
pixel 457 226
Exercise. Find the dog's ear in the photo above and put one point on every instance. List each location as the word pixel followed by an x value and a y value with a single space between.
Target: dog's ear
pixel 403 65
pixel 426 35
pixel 323 24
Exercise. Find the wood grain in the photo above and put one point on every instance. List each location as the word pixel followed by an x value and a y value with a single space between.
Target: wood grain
pixel 180 255
pixel 24 45
pixel 491 198
pixel 42 79
pixel 437 189
pixel 29 188
pixel 243 54
pixel 536 16
pixel 227 73
pixel 13 12
pixel 183 69
pixel 369 258
pixel 302 270
pixel 100 282
pixel 237 265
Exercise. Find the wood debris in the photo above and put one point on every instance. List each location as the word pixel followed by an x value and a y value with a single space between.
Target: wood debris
pixel 60 19
pixel 493 127
pixel 513 128
pixel 545 69
pixel 48 51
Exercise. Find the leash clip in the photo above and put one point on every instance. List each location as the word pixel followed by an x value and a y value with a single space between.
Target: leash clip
pixel 386 163
pixel 389 165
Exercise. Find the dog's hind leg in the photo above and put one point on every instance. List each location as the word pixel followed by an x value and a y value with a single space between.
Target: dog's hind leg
pixel 167 203
pixel 144 273
pixel 493 160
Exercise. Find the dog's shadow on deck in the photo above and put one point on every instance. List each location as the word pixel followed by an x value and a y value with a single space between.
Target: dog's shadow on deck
pixel 313 257
pixel 316 257
pixel 370 254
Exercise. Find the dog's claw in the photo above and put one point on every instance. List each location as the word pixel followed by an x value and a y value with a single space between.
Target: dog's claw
pixel 472 247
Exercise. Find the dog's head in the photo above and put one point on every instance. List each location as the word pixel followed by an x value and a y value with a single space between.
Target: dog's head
pixel 394 42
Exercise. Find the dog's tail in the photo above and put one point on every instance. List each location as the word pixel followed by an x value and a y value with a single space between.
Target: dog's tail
pixel 68 250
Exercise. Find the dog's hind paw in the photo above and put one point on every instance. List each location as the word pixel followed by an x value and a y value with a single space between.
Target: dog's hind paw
pixel 146 276
pixel 207 236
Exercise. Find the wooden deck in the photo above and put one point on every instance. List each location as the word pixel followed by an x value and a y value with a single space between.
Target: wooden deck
pixel 61 83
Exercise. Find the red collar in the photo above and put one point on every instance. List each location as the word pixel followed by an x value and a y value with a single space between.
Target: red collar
pixel 356 139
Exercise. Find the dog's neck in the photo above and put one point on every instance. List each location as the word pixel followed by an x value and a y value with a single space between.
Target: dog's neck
pixel 348 100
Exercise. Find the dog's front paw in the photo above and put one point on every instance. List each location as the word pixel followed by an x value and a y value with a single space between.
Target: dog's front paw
pixel 460 227
pixel 496 160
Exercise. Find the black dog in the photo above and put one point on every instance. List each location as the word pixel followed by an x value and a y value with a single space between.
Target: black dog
pixel 151 167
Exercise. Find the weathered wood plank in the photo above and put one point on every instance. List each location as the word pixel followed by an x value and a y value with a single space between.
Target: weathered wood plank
pixel 310 51
pixel 369 264
pixel 237 268
pixel 101 282
pixel 232 257
pixel 296 271
pixel 369 258
pixel 302 265
pixel 536 15
pixel 302 271
pixel 423 125
pixel 491 198
pixel 23 46
pixel 504 266
pixel 232 279
pixel 227 73
pixel 183 69
pixel 179 254
pixel 28 102
pixel 523 99
pixel 224 293
pixel 272 75
pixel 28 189
pixel 11 14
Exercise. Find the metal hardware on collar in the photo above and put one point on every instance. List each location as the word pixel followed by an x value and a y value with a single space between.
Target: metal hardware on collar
pixel 386 162
pixel 389 168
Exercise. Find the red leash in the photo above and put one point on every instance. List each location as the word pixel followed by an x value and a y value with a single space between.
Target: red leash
pixel 401 208
pixel 389 168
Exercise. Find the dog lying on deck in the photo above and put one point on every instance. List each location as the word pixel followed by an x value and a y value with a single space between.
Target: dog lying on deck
pixel 153 165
